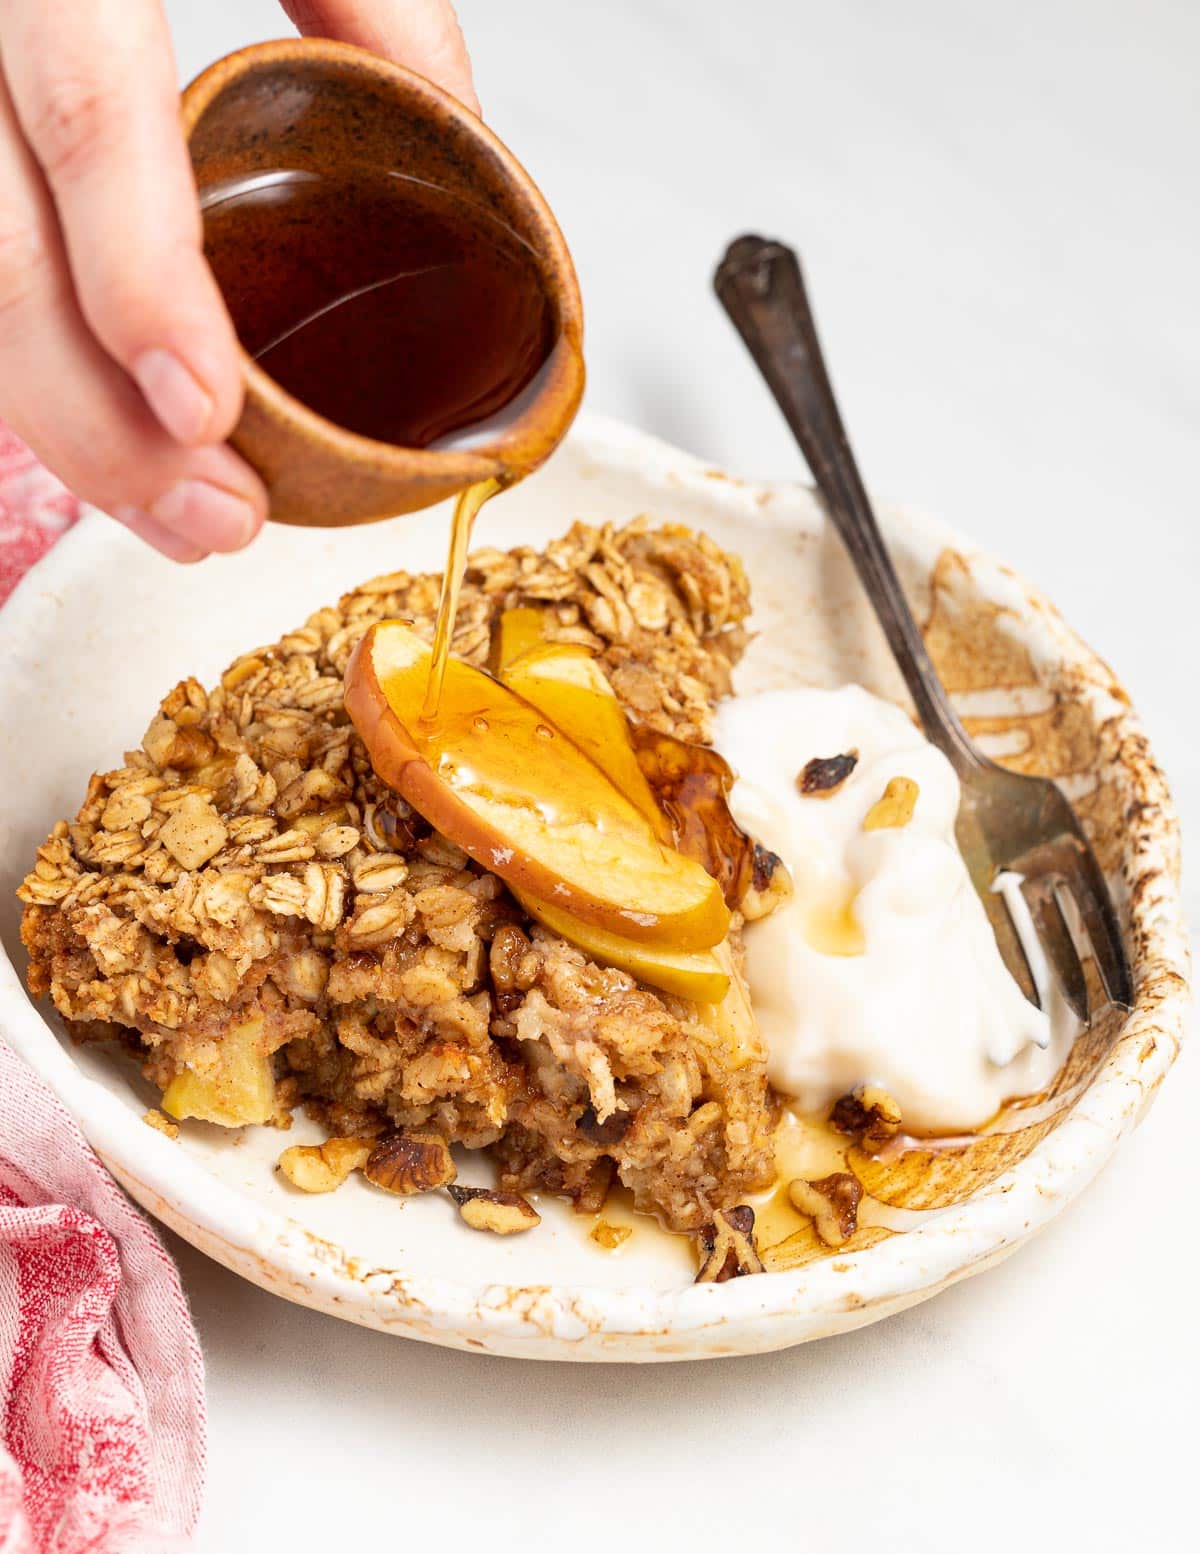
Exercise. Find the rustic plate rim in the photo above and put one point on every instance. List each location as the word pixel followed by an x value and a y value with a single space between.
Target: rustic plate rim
pixel 826 1296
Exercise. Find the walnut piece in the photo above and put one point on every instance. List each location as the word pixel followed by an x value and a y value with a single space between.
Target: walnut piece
pixel 895 808
pixel 825 774
pixel 503 1213
pixel 411 1162
pixel 729 1246
pixel 509 948
pixel 322 1167
pixel 185 749
pixel 831 1203
pixel 868 1115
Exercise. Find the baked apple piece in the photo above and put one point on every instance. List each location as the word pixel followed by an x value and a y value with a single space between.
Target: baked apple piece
pixel 564 681
pixel 732 1016
pixel 239 1090
pixel 517 632
pixel 698 975
pixel 494 775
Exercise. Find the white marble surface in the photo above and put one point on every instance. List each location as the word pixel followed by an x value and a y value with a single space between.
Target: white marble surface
pixel 997 208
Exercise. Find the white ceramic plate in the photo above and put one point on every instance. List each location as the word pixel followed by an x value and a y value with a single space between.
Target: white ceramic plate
pixel 102 628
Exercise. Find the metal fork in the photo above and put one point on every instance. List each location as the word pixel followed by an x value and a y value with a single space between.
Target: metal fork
pixel 1008 824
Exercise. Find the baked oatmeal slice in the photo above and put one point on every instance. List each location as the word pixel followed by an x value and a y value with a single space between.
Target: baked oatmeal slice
pixel 271 924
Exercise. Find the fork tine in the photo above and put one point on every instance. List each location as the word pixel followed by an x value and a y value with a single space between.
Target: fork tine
pixel 1054 935
pixel 1009 941
pixel 1089 894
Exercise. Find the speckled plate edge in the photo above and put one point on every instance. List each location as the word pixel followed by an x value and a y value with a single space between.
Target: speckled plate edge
pixel 744 1316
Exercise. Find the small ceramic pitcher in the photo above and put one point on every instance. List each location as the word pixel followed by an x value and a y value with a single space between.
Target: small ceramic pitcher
pixel 318 106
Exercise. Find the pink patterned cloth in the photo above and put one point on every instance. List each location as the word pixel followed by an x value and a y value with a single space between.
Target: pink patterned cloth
pixel 101 1378
pixel 34 510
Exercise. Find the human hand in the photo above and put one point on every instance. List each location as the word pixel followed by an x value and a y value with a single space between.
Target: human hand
pixel 118 362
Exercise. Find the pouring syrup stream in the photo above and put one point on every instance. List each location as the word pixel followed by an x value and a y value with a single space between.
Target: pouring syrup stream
pixel 466 510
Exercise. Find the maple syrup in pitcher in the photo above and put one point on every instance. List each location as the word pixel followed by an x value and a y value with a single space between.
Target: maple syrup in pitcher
pixel 390 306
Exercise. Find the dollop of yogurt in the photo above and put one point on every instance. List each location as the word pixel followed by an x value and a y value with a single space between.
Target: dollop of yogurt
pixel 882 966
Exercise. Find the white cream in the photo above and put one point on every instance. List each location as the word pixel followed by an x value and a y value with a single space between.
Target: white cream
pixel 925 1007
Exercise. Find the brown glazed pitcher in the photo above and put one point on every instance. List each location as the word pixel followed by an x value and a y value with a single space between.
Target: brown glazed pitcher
pixel 313 105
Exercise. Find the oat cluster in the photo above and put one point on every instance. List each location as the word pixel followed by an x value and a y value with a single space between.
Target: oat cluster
pixel 245 878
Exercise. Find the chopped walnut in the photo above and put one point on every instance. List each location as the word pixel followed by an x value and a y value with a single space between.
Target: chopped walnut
pixel 895 808
pixel 770 885
pixel 610 1237
pixel 825 774
pixel 503 1213
pixel 508 950
pixel 309 791
pixel 412 1162
pixel 729 1246
pixel 169 745
pixel 322 1167
pixel 831 1203
pixel 868 1115
pixel 161 1124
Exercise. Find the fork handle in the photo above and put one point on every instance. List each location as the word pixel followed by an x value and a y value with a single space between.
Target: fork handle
pixel 761 288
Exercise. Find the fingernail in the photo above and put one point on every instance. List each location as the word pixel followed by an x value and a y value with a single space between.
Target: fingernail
pixel 207 515
pixel 182 404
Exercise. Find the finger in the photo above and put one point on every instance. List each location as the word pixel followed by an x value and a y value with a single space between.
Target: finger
pixel 78 411
pixel 172 545
pixel 422 34
pixel 199 508
pixel 95 97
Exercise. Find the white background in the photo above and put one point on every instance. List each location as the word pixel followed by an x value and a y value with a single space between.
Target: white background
pixel 998 209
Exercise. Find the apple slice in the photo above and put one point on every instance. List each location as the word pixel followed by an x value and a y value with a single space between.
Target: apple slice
pixel 697 975
pixel 564 681
pixel 491 773
pixel 732 1017
pixel 517 631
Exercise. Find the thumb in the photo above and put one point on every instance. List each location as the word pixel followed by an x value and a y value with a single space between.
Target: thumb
pixel 424 35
